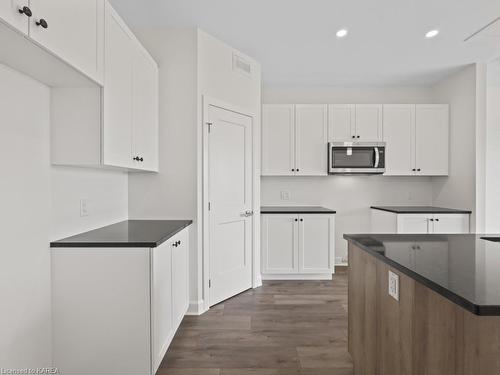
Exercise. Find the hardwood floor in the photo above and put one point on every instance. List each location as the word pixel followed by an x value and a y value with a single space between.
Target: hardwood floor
pixel 282 328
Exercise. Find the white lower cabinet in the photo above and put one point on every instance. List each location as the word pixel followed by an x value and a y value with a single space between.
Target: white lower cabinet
pixel 116 310
pixel 297 246
pixel 425 223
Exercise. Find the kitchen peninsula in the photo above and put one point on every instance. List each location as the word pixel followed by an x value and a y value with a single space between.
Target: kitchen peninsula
pixel 424 304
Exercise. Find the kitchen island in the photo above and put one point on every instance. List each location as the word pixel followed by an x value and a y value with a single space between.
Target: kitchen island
pixel 424 304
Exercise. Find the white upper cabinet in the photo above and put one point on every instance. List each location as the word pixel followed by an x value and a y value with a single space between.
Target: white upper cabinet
pixel 368 122
pixel 16 13
pixel 72 30
pixel 294 139
pixel 432 139
pixel 144 110
pixel 311 126
pixel 355 122
pixel 117 116
pixel 116 126
pixel 278 140
pixel 341 123
pixel 399 123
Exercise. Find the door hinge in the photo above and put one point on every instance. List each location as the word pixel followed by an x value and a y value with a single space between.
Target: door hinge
pixel 209 283
pixel 209 206
pixel 209 126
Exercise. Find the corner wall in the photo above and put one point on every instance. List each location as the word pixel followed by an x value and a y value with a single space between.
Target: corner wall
pixel 458 190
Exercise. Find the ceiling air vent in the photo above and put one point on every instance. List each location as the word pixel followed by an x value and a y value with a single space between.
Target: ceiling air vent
pixel 242 65
pixel 490 30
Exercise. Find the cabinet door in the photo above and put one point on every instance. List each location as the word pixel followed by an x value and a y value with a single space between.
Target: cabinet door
pixel 162 322
pixel 368 122
pixel 432 139
pixel 180 276
pixel 316 242
pixel 117 118
pixel 451 223
pixel 279 244
pixel 399 122
pixel 311 140
pixel 341 122
pixel 74 32
pixel 9 13
pixel 414 223
pixel 278 140
pixel 144 110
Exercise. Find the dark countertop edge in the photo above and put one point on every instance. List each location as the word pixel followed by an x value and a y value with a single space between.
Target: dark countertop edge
pixel 62 244
pixel 436 210
pixel 295 210
pixel 486 310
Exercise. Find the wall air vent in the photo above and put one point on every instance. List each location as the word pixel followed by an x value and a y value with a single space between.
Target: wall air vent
pixel 242 65
pixel 490 30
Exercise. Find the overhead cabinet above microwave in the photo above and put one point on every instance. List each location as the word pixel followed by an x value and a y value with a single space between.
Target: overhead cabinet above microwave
pixel 355 122
pixel 294 140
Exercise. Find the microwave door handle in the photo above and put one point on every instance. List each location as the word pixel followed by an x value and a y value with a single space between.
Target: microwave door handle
pixel 377 157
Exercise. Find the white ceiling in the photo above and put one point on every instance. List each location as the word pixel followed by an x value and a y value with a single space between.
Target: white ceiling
pixel 295 39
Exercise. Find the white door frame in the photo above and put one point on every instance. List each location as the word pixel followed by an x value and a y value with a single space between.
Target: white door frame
pixel 256 277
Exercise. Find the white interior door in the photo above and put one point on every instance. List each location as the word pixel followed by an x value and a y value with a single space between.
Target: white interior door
pixel 230 196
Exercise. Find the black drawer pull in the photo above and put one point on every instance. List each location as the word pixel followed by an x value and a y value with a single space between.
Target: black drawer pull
pixel 42 23
pixel 26 11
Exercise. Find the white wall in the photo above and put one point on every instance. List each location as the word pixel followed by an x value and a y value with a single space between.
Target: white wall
pixel 192 64
pixel 458 190
pixel 351 196
pixel 39 203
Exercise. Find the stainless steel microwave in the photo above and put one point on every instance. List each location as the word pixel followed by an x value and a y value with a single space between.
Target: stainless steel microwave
pixel 356 157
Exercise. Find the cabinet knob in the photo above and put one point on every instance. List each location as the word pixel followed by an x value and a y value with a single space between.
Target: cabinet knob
pixel 42 23
pixel 26 11
pixel 436 219
pixel 413 169
pixel 141 159
pixel 297 169
pixel 418 170
pixel 136 158
pixel 296 219
pixel 301 219
pixel 358 136
pixel 353 136
pixel 293 170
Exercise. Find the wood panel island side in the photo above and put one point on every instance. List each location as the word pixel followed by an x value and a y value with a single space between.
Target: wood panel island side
pixel 446 318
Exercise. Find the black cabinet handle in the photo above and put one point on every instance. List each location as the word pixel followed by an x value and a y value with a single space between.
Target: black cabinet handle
pixel 353 136
pixel 436 219
pixel 42 23
pixel 418 170
pixel 358 136
pixel 296 219
pixel 26 11
pixel 141 159
pixel 293 169
pixel 297 169
pixel 413 169
pixel 301 219
pixel 136 158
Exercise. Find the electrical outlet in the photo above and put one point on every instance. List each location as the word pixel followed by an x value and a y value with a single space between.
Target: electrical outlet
pixel 84 207
pixel 394 285
pixel 285 195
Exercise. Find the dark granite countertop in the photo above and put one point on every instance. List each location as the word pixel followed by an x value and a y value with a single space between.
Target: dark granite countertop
pixel 296 210
pixel 464 268
pixel 129 233
pixel 420 210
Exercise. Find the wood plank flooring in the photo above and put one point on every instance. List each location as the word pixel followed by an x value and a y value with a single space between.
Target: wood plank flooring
pixel 282 328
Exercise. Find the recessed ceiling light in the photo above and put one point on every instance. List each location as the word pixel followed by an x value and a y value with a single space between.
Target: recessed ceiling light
pixel 341 33
pixel 431 34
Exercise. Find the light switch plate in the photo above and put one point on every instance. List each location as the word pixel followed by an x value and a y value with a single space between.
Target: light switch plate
pixel 394 285
pixel 84 207
pixel 285 195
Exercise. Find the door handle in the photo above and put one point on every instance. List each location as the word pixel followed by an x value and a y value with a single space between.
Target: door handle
pixel 248 213
pixel 377 157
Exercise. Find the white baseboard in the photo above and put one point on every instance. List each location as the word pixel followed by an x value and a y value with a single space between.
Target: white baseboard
pixel 196 307
pixel 321 276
